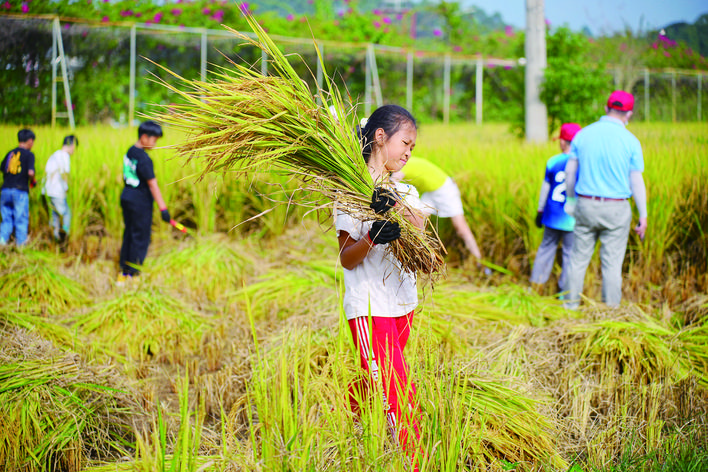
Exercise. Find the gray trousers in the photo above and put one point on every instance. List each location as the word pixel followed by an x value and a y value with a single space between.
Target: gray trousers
pixel 608 221
pixel 546 256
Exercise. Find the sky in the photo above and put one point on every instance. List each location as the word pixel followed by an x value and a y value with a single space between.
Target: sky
pixel 601 16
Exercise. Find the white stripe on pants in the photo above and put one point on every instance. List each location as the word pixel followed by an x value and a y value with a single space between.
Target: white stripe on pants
pixel 608 221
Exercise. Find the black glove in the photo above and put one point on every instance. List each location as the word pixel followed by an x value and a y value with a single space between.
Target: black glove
pixel 383 232
pixel 165 214
pixel 539 217
pixel 382 200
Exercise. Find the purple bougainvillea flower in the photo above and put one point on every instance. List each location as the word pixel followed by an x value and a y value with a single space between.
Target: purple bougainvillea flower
pixel 176 11
pixel 6 5
pixel 67 26
pixel 105 19
pixel 290 17
pixel 244 7
pixel 158 17
pixel 387 20
pixel 206 11
pixel 25 7
pixel 125 13
pixel 508 30
pixel 377 24
pixel 399 16
pixel 376 12
pixel 548 23
pixel 654 45
pixel 138 15
pixel 437 32
pixel 507 67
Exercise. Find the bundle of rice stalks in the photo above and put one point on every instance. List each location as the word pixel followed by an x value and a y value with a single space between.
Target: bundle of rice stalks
pixel 144 325
pixel 243 121
pixel 57 413
pixel 213 268
pixel 31 280
pixel 636 344
pixel 486 425
pixel 293 290
pixel 33 321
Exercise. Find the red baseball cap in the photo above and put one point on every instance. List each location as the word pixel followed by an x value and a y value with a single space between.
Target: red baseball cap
pixel 568 131
pixel 621 100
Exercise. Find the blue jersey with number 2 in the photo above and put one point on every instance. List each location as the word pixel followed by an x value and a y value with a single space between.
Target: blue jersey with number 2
pixel 553 214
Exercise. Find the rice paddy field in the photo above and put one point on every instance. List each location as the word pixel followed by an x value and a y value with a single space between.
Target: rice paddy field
pixel 231 352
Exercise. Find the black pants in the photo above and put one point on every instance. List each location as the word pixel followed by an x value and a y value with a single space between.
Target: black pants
pixel 136 237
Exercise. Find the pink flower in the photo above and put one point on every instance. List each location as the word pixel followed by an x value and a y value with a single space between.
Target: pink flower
pixel 387 20
pixel 84 34
pixel 667 54
pixel 507 67
pixel 437 32
pixel 654 45
pixel 206 11
pixel 243 7
pixel 105 19
pixel 125 13
pixel 176 11
pixel 218 15
pixel 457 49
pixel 158 17
pixel 399 16
pixel 376 12
pixel 290 17
pixel 6 5
pixel 25 7
pixel 138 15
pixel 67 26
pixel 548 23
pixel 377 24
pixel 508 30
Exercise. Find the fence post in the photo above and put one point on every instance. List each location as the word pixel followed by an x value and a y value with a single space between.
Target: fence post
pixel 320 73
pixel 264 63
pixel 203 58
pixel 673 96
pixel 700 77
pixel 54 76
pixel 409 82
pixel 478 91
pixel 131 92
pixel 646 94
pixel 446 89
pixel 367 84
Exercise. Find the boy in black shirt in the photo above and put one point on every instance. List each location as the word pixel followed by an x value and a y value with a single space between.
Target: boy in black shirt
pixel 136 200
pixel 18 176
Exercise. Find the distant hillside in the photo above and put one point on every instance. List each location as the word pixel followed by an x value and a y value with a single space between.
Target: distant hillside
pixel 694 35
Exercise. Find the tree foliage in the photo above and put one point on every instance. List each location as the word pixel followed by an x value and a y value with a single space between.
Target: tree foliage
pixel 572 84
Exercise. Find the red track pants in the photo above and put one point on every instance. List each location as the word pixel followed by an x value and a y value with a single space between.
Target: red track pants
pixel 380 342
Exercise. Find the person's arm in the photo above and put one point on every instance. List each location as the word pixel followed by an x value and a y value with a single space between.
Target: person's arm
pixel 415 217
pixel 351 251
pixel 157 196
pixel 639 193
pixel 545 189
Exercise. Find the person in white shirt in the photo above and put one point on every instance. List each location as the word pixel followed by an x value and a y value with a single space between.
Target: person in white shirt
pixel 56 185
pixel 380 296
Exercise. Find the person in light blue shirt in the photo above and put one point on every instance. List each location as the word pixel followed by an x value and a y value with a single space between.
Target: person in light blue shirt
pixel 609 163
pixel 551 215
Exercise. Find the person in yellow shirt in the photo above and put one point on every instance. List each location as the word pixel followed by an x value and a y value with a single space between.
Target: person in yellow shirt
pixel 440 195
